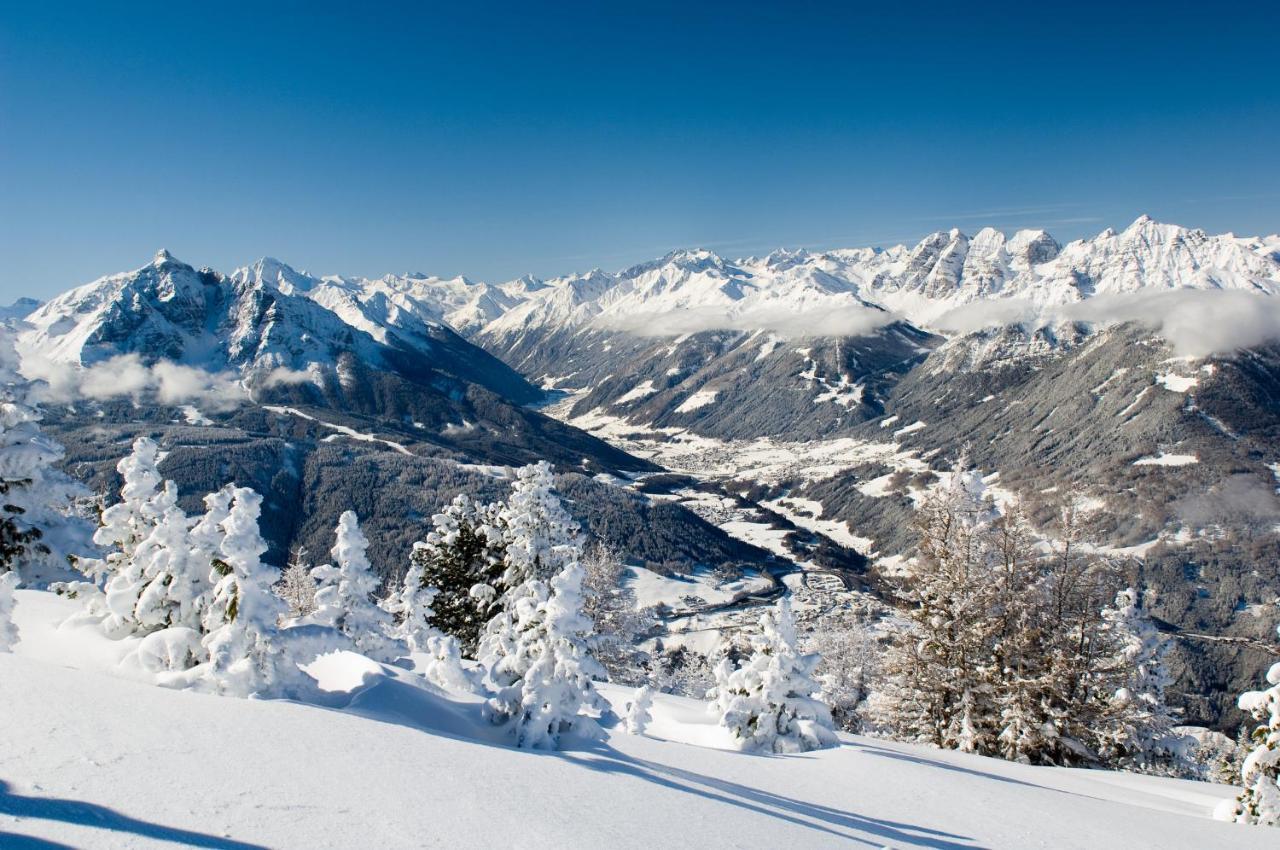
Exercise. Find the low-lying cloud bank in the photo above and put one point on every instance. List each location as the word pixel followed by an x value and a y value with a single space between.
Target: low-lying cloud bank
pixel 164 382
pixel 846 320
pixel 1195 322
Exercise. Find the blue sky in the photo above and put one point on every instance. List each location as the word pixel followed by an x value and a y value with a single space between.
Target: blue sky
pixel 501 139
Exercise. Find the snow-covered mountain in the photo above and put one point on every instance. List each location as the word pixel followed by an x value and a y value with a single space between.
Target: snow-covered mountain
pixel 268 323
pixel 648 339
pixel 918 284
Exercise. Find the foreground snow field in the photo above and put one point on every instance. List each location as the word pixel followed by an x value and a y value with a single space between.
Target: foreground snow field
pixel 90 758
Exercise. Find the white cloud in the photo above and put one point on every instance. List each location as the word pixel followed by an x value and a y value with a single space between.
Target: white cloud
pixel 284 375
pixel 1195 322
pixel 127 376
pixel 848 320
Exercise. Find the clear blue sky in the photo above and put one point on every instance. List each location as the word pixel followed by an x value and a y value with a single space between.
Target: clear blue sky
pixel 494 140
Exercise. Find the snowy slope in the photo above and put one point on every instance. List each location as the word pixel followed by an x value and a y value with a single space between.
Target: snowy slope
pixel 91 759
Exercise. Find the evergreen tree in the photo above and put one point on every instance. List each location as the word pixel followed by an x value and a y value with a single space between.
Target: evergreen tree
pixel 768 703
pixel 462 559
pixel 296 586
pixel 1259 803
pixel 344 600
pixel 146 501
pixel 413 605
pixel 541 537
pixel 539 661
pixel 638 716
pixel 39 525
pixel 175 579
pixel 1137 731
pixel 241 620
pixel 8 628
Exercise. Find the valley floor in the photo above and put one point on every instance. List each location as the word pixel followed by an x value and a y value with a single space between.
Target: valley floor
pixel 91 758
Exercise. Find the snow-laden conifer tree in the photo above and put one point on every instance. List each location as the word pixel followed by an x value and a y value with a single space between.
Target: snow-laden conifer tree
pixel 8 629
pixel 1259 803
pixel 638 716
pixel 175 578
pixel 411 606
pixel 768 702
pixel 39 526
pixel 241 621
pixel 539 661
pixel 131 527
pixel 541 537
pixel 296 586
pixel 344 599
pixel 462 558
pixel 1137 726
pixel 127 523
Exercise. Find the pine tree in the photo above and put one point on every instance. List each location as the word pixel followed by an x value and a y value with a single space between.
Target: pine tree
pixel 541 537
pixel 241 620
pixel 39 525
pixel 8 628
pixel 768 703
pixel 296 586
pixel 539 662
pixel 1259 803
pixel 344 600
pixel 638 716
pixel 1137 728
pixel 175 581
pixel 462 558
pixel 412 605
pixel 147 501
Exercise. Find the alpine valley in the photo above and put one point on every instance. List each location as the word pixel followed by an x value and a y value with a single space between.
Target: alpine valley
pixel 734 428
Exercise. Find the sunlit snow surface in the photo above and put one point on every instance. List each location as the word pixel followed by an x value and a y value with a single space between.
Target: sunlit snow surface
pixel 90 758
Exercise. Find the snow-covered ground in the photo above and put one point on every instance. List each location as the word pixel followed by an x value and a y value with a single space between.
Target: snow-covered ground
pixel 91 758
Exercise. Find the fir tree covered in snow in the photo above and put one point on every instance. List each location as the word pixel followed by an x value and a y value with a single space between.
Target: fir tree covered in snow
pixel 539 661
pixel 1259 803
pixel 296 586
pixel 146 502
pixel 638 716
pixel 175 579
pixel 1137 726
pixel 241 621
pixel 768 703
pixel 462 559
pixel 8 629
pixel 541 537
pixel 345 598
pixel 412 605
pixel 39 527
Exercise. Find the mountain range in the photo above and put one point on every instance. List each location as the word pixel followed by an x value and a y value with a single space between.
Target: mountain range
pixel 776 414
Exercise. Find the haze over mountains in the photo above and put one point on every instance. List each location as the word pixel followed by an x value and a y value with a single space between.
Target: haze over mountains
pixel 804 400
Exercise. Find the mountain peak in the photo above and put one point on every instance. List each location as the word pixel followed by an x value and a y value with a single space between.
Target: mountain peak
pixel 163 256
